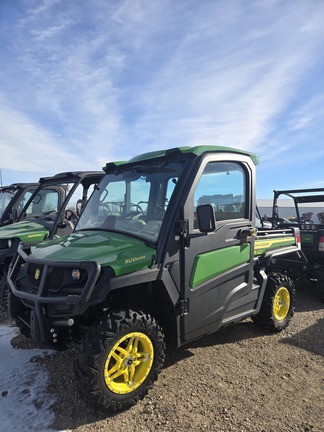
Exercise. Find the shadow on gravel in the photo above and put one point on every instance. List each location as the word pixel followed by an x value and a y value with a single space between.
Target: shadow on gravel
pixel 310 339
pixel 228 335
pixel 307 298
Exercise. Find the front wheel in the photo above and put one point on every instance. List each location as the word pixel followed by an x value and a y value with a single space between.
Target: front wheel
pixel 278 303
pixel 119 360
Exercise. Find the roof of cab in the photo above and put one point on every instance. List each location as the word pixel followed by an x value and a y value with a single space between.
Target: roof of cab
pixel 17 185
pixel 70 176
pixel 198 151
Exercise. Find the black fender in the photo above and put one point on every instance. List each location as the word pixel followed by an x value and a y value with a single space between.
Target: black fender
pixel 290 254
pixel 144 276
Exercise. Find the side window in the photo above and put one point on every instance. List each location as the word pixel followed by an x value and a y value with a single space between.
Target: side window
pixel 223 185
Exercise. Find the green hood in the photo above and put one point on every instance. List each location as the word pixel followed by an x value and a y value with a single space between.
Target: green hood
pixel 122 253
pixel 26 231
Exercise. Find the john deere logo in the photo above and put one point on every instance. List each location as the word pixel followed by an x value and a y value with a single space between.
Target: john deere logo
pixel 37 274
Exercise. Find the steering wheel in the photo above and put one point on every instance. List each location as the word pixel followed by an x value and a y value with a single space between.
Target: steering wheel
pixel 135 213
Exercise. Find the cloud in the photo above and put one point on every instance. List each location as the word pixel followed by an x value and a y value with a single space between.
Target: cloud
pixel 105 81
pixel 31 149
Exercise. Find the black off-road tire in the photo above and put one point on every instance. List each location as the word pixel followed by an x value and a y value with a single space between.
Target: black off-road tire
pixel 278 303
pixel 108 356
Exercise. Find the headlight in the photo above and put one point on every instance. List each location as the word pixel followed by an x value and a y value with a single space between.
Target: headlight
pixel 76 274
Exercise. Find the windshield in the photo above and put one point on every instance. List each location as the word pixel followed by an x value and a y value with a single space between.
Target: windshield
pixel 45 201
pixel 304 207
pixel 5 198
pixel 133 201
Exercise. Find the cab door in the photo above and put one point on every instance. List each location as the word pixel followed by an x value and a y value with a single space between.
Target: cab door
pixel 217 272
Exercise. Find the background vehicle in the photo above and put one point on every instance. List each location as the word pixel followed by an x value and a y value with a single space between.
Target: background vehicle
pixel 165 251
pixel 51 211
pixel 278 222
pixel 261 222
pixel 13 199
pixel 308 214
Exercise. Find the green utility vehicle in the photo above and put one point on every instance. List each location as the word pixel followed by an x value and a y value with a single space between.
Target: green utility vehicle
pixel 165 252
pixel 51 211
pixel 12 200
pixel 305 209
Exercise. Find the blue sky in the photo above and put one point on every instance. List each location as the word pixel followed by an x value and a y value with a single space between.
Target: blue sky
pixel 87 82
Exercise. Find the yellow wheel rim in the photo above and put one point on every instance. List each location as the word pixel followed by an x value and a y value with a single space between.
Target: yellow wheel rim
pixel 128 363
pixel 281 304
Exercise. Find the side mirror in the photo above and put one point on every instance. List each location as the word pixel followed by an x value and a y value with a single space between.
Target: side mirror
pixel 206 218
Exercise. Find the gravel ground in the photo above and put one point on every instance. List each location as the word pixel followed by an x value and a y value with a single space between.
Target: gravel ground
pixel 240 379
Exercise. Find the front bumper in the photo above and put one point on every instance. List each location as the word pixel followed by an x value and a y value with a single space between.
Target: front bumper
pixel 42 287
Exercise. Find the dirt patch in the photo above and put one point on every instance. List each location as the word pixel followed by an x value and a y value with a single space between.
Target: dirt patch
pixel 239 379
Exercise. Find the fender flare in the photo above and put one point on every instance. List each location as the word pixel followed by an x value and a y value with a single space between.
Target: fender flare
pixel 279 253
pixel 146 276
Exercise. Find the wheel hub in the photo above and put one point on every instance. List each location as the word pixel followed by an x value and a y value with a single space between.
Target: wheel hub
pixel 129 361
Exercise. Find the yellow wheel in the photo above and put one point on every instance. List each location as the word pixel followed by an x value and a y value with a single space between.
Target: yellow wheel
pixel 278 303
pixel 129 363
pixel 281 303
pixel 119 360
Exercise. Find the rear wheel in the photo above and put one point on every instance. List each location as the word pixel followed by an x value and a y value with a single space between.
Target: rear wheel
pixel 119 360
pixel 278 303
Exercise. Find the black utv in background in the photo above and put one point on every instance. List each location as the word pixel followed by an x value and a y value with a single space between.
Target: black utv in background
pixel 306 213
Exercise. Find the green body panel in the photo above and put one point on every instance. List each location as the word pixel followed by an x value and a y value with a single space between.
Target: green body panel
pixel 124 254
pixel 198 151
pixel 211 264
pixel 214 263
pixel 262 246
pixel 27 232
pixel 307 239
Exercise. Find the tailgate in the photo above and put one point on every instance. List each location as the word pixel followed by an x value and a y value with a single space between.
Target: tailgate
pixel 311 239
